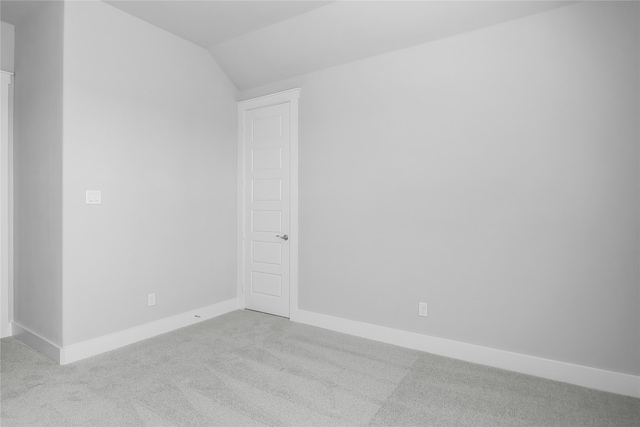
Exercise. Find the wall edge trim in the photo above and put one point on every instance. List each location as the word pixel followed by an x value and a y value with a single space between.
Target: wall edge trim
pixel 93 347
pixel 599 379
pixel 35 341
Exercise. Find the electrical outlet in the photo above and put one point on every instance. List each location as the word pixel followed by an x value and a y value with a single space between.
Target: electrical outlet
pixel 422 309
pixel 93 197
pixel 151 299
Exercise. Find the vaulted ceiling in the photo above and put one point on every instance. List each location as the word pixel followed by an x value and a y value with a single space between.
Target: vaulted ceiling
pixel 259 42
pixel 208 23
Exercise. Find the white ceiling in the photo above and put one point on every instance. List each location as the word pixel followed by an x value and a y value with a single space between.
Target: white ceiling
pixel 209 22
pixel 346 31
pixel 259 42
pixel 15 11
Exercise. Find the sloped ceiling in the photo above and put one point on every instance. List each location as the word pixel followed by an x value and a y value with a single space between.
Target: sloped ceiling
pixel 209 22
pixel 15 11
pixel 260 42
pixel 350 30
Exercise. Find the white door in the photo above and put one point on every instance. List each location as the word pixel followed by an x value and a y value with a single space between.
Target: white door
pixel 267 237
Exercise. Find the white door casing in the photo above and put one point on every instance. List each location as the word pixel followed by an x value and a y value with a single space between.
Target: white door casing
pixel 6 222
pixel 268 240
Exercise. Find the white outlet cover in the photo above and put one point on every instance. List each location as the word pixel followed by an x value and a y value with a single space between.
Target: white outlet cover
pixel 93 197
pixel 422 309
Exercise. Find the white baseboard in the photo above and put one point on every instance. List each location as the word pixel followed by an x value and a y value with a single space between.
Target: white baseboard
pixel 35 341
pixel 93 347
pixel 585 376
pixel 599 379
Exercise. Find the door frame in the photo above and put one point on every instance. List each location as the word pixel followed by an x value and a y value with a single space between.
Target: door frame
pixel 290 97
pixel 6 206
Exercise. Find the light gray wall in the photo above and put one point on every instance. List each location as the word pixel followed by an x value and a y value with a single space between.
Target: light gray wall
pixel 7 47
pixel 150 120
pixel 493 175
pixel 38 171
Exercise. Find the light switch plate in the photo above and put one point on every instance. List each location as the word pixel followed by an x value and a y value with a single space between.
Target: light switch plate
pixel 94 197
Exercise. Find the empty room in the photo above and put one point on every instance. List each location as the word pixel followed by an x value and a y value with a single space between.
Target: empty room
pixel 345 213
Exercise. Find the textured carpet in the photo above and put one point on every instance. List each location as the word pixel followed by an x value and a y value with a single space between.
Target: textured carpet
pixel 248 369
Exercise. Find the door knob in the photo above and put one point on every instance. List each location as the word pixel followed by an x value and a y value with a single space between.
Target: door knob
pixel 285 237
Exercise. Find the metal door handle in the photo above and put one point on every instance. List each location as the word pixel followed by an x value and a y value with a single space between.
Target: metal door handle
pixel 285 237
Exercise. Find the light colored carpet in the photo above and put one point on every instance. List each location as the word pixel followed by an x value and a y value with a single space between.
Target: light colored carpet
pixel 249 369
